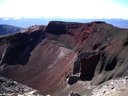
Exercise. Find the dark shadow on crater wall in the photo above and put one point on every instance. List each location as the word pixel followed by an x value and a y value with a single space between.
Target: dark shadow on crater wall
pixel 111 66
pixel 73 79
pixel 21 45
pixel 76 68
pixel 85 65
pixel 35 39
pixel 88 66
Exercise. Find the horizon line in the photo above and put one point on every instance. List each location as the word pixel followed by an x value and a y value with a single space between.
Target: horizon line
pixel 55 17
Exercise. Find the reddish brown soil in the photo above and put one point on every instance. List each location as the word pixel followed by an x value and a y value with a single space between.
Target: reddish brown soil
pixel 43 57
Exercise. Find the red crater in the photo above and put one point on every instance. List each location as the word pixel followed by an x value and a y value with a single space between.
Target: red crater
pixel 44 57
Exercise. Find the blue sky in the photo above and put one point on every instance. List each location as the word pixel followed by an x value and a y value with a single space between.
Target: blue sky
pixel 87 9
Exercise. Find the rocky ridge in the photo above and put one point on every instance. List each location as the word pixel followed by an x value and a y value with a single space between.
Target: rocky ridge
pixel 65 56
pixel 117 87
pixel 9 87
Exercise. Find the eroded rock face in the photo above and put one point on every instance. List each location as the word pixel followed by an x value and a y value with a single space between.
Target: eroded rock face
pixel 44 57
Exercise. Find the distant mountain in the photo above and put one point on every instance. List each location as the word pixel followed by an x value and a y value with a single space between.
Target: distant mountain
pixel 8 29
pixel 27 22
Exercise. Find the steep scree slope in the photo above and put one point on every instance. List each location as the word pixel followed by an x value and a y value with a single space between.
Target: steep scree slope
pixel 44 57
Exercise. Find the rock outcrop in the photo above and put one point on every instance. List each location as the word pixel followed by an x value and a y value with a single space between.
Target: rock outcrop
pixel 9 87
pixel 117 87
pixel 44 57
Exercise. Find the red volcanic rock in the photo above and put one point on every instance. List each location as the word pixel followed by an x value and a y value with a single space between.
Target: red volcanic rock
pixel 79 31
pixel 44 57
